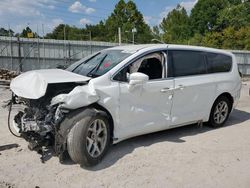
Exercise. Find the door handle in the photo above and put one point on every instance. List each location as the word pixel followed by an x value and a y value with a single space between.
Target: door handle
pixel 180 87
pixel 164 90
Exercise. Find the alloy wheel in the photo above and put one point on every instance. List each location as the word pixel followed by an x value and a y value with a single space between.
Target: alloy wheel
pixel 96 138
pixel 220 112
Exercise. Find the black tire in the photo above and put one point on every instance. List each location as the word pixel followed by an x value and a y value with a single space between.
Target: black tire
pixel 77 138
pixel 213 122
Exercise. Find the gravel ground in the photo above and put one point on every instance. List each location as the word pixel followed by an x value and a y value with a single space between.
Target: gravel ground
pixel 189 156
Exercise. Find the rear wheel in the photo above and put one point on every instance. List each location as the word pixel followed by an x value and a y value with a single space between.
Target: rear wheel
pixel 220 112
pixel 89 139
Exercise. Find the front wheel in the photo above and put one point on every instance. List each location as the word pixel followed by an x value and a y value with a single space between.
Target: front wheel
pixel 220 112
pixel 89 139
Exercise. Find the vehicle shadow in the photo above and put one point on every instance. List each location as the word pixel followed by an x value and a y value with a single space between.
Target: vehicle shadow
pixel 118 151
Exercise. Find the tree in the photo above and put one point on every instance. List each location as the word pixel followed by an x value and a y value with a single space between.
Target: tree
pixel 71 33
pixel 98 32
pixel 205 13
pixel 4 32
pixel 176 26
pixel 196 40
pixel 235 16
pixel 235 2
pixel 213 39
pixel 57 33
pixel 156 33
pixel 229 38
pixel 126 16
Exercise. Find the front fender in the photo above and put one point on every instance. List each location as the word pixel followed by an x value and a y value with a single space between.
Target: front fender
pixel 79 97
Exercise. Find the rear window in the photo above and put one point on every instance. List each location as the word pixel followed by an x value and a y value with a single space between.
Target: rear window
pixel 218 63
pixel 187 63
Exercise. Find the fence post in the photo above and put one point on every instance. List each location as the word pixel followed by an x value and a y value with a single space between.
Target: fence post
pixel 69 55
pixel 19 55
pixel 11 53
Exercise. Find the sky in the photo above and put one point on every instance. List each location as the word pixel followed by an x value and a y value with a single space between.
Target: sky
pixel 43 15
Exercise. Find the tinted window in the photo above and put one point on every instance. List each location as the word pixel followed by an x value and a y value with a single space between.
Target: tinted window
pixel 187 62
pixel 218 63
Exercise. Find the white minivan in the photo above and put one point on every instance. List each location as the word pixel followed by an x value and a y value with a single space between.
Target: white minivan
pixel 122 92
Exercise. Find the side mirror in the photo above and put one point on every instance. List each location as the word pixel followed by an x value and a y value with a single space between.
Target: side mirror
pixel 137 78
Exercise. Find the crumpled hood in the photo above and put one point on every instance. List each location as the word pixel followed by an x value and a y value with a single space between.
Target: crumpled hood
pixel 33 84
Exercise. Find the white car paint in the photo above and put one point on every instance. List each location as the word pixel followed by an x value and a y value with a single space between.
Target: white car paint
pixel 148 107
pixel 33 84
pixel 80 96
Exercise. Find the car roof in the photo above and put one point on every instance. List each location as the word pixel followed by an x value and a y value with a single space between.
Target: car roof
pixel 138 47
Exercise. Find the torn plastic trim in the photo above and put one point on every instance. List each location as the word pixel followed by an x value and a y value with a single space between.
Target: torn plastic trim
pixel 79 97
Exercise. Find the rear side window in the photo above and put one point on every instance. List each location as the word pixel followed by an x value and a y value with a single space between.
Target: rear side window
pixel 187 63
pixel 218 63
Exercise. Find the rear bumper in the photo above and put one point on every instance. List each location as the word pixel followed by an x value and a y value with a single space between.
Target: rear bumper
pixel 236 98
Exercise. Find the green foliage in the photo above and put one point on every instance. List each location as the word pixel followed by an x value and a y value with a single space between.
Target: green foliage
pixel 176 26
pixel 196 40
pixel 71 33
pixel 215 23
pixel 98 31
pixel 236 16
pixel 156 33
pixel 125 15
pixel 229 38
pixel 205 13
pixel 5 32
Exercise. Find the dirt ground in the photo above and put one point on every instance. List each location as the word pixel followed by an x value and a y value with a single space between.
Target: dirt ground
pixel 189 156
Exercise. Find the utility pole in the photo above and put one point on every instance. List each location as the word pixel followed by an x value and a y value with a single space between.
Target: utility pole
pixel 119 36
pixel 133 33
pixel 19 55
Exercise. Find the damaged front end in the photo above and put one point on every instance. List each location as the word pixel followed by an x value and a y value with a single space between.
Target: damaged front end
pixel 38 121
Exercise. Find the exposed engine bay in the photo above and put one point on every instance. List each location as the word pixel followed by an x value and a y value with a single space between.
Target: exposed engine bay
pixel 38 121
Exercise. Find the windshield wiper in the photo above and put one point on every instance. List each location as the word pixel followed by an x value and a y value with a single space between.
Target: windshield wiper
pixel 90 74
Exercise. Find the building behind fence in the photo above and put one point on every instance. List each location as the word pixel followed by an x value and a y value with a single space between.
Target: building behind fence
pixel 28 54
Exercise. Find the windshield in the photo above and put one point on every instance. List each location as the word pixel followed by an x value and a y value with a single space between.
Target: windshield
pixel 100 63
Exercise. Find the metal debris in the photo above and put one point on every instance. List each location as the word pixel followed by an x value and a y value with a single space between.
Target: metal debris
pixel 8 146
pixel 7 74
